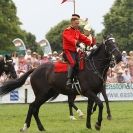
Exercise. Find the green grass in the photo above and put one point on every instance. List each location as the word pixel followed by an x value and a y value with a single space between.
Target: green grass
pixel 55 118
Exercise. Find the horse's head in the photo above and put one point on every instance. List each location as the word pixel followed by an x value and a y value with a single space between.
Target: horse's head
pixel 9 67
pixel 112 49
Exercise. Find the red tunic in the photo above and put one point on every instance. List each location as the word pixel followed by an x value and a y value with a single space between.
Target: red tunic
pixel 71 36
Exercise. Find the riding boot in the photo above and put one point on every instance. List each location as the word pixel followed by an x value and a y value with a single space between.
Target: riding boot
pixel 69 78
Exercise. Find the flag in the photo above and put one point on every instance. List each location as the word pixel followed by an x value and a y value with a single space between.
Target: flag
pixel 67 1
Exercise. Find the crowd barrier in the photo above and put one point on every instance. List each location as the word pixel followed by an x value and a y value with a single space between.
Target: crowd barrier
pixel 115 92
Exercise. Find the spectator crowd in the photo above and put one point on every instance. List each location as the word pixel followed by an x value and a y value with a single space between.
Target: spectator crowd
pixel 121 73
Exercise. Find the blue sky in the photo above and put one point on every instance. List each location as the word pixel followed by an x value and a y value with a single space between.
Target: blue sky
pixel 38 16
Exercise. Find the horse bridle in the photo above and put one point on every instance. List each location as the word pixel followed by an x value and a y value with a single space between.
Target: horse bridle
pixel 110 58
pixel 114 49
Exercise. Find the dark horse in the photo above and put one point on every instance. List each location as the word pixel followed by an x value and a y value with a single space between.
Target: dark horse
pixel 47 84
pixel 7 67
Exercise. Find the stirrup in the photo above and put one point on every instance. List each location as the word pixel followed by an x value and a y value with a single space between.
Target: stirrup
pixel 69 82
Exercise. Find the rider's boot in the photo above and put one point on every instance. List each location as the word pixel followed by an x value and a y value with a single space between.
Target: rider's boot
pixel 69 78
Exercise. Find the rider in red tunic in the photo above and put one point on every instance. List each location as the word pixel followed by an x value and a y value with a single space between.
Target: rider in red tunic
pixel 71 38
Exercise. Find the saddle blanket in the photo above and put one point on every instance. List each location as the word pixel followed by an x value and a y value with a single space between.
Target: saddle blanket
pixel 61 66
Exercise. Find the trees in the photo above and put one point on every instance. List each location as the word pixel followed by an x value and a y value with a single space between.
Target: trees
pixel 9 23
pixel 119 22
pixel 10 28
pixel 30 41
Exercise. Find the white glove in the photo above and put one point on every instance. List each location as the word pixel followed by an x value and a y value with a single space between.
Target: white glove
pixel 82 46
pixel 95 47
pixel 88 48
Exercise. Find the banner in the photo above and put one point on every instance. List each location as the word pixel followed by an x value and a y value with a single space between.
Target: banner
pixel 119 91
pixel 46 47
pixel 20 46
pixel 115 92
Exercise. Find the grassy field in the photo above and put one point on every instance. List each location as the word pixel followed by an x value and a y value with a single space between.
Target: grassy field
pixel 55 118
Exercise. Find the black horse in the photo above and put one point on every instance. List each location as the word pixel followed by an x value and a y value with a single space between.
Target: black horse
pixel 7 67
pixel 47 84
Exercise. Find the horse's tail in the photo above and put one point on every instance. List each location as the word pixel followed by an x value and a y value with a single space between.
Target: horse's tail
pixel 15 83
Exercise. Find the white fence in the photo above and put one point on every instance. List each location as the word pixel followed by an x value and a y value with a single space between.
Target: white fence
pixel 115 92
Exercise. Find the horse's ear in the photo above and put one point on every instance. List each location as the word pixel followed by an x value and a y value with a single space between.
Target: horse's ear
pixel 107 36
pixel 110 36
pixel 7 57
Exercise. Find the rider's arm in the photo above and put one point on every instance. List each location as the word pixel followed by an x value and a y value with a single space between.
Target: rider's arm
pixel 84 39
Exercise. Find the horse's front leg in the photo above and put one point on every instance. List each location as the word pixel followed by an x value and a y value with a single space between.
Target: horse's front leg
pixel 89 112
pixel 94 97
pixel 109 117
pixel 71 102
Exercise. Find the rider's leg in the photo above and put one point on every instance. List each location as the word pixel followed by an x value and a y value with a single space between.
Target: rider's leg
pixel 69 75
pixel 71 58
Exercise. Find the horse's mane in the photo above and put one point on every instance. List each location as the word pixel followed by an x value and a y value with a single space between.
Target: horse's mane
pixel 95 51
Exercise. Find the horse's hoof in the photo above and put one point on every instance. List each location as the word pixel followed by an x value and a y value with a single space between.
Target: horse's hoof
pixel 72 118
pixel 81 116
pixel 80 113
pixel 25 128
pixel 97 127
pixel 109 117
pixel 88 126
pixel 22 130
pixel 41 128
